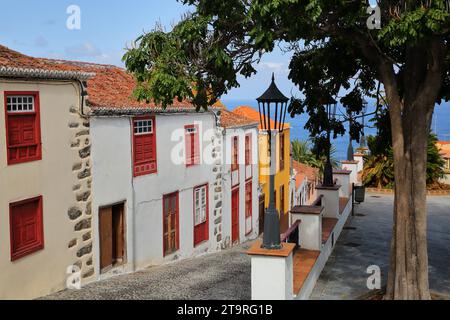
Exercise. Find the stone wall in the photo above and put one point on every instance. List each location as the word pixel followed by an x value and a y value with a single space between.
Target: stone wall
pixel 80 212
pixel 218 187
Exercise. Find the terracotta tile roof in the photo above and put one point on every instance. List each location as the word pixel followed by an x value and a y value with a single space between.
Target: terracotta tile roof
pixel 444 142
pixel 304 171
pixel 16 64
pixel 110 88
pixel 251 113
pixel 230 119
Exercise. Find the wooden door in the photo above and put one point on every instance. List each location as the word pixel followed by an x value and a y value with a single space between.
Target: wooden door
pixel 170 221
pixel 118 242
pixel 106 238
pixel 262 210
pixel 235 216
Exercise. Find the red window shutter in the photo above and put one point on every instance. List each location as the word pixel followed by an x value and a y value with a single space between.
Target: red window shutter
pixel 23 127
pixel 26 227
pixel 248 149
pixel 192 140
pixel 235 154
pixel 144 146
pixel 248 207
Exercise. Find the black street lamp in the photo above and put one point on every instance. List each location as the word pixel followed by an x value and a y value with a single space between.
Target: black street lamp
pixel 362 140
pixel 272 102
pixel 350 151
pixel 330 106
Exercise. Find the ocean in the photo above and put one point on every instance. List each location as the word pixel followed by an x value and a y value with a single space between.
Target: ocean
pixel 441 125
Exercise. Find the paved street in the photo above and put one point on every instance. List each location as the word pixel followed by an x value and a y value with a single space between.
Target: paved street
pixel 366 241
pixel 226 275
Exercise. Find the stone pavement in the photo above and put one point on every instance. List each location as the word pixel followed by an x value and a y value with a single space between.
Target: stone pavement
pixel 226 275
pixel 365 241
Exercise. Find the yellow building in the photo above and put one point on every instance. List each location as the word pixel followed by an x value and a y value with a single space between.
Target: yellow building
pixel 283 169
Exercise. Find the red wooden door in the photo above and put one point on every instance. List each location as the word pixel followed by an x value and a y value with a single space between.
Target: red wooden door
pixel 170 221
pixel 235 216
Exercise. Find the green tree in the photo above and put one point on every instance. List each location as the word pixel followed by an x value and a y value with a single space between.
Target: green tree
pixel 304 153
pixel 334 52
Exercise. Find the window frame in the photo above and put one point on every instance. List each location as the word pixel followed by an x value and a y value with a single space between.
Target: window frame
pixel 39 245
pixel 37 125
pixel 205 223
pixel 152 136
pixel 282 151
pixel 249 206
pixel 234 153
pixel 194 160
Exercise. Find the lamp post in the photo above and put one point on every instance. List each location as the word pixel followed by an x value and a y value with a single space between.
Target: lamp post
pixel 362 141
pixel 350 151
pixel 272 102
pixel 330 105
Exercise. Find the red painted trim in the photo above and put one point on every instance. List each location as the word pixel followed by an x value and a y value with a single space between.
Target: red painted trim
pixel 133 147
pixel 37 126
pixel 247 186
pixel 235 191
pixel 250 160
pixel 206 223
pixel 195 158
pixel 40 235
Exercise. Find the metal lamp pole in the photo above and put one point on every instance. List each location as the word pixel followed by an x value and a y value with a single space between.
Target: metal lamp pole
pixel 272 98
pixel 328 168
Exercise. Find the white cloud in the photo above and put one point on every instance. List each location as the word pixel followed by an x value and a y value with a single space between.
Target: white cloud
pixel 83 50
pixel 277 67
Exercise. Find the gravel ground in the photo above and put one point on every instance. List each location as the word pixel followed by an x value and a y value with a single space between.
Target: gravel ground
pixel 224 275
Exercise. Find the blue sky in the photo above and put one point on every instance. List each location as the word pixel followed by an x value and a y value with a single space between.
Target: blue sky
pixel 38 28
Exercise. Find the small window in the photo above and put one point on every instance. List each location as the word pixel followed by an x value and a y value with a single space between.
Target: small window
pixel 143 126
pixel 192 145
pixel 235 154
pixel 26 227
pixel 23 135
pixel 282 150
pixel 248 149
pixel 144 146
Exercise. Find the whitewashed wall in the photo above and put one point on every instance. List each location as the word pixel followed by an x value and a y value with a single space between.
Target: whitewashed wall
pixel 229 134
pixel 113 182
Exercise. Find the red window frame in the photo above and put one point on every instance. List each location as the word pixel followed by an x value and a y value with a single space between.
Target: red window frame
pixel 10 148
pixel 192 145
pixel 248 205
pixel 201 231
pixel 38 243
pixel 248 149
pixel 235 153
pixel 282 150
pixel 146 166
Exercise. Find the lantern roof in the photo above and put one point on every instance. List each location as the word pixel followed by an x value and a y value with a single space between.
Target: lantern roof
pixel 273 94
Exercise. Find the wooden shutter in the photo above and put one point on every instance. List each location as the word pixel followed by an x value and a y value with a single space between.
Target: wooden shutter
pixel 248 207
pixel 235 215
pixel 144 147
pixel 106 238
pixel 26 227
pixel 235 154
pixel 22 127
pixel 248 149
pixel 192 145
pixel 170 223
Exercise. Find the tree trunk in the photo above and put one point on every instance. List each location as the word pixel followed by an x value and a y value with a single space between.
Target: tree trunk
pixel 408 274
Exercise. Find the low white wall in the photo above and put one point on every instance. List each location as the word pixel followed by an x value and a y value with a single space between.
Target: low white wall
pixel 353 167
pixel 330 202
pixel 272 277
pixel 310 230
pixel 343 179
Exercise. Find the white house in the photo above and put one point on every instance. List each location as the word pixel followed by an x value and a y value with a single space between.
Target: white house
pixel 240 178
